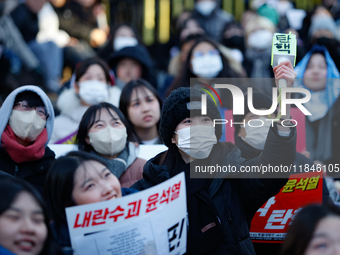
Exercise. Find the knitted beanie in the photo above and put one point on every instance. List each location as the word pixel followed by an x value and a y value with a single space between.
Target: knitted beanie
pixel 260 100
pixel 176 109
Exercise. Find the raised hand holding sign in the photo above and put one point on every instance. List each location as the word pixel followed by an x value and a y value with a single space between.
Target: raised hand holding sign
pixel 283 48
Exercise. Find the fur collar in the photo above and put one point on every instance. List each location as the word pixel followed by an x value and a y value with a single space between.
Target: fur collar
pixel 68 100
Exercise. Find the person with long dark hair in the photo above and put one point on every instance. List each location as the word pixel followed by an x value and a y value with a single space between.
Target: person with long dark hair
pixel 24 221
pixel 105 133
pixel 76 179
pixel 204 62
pixel 314 231
pixel 141 105
pixel 92 84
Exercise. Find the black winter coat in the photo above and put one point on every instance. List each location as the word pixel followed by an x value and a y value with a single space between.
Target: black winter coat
pixel 33 172
pixel 220 209
pixel 248 152
pixel 26 21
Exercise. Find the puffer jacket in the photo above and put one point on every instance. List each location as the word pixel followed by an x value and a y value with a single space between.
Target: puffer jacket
pixel 133 173
pixel 220 212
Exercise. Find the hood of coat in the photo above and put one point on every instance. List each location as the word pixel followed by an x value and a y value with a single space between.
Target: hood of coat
pixel 138 53
pixel 7 106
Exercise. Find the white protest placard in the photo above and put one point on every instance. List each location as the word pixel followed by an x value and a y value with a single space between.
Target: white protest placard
pixel 152 221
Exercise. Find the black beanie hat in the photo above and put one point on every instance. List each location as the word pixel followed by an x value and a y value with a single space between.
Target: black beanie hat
pixel 260 100
pixel 175 110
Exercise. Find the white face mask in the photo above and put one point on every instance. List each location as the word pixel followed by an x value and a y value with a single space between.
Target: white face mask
pixel 121 42
pixel 207 66
pixel 260 39
pixel 256 136
pixel 205 7
pixel 93 92
pixel 26 125
pixel 197 141
pixel 109 141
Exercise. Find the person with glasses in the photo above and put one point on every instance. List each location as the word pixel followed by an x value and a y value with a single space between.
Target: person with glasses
pixel 26 124
pixel 205 61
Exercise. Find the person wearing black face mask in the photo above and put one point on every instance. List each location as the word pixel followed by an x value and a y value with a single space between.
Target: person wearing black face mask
pixel 323 32
pixel 233 37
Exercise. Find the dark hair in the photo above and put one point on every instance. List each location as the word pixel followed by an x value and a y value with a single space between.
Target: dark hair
pixel 116 27
pixel 304 224
pixel 32 98
pixel 319 51
pixel 10 190
pixel 82 66
pixel 183 80
pixel 60 182
pixel 125 97
pixel 89 119
pixel 189 38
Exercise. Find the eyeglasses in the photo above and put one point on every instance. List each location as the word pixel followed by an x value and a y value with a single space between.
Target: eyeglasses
pixel 210 52
pixel 23 106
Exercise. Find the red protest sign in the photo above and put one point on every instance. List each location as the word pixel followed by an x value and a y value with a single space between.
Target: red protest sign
pixel 271 222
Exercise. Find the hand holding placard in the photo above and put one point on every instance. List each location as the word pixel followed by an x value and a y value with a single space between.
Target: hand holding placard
pixel 283 49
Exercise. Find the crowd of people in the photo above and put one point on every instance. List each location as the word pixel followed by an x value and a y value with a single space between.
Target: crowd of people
pixel 119 98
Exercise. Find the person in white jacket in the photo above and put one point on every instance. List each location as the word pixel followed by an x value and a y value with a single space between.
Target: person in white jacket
pixel 93 84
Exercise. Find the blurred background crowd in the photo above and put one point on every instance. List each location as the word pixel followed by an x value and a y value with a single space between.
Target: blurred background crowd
pixel 132 54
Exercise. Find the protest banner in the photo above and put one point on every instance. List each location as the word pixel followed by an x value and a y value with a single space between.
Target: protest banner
pixel 271 222
pixel 152 221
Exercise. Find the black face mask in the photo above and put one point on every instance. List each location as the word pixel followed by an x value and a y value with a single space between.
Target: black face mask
pixel 235 42
pixel 328 42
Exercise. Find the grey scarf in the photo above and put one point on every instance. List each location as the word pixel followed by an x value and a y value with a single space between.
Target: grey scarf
pixel 118 165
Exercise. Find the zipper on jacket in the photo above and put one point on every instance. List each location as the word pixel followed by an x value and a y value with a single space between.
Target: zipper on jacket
pixel 218 218
pixel 16 170
pixel 230 221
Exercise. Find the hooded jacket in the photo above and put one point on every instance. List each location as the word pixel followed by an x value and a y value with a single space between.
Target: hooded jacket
pixel 319 124
pixel 138 53
pixel 66 124
pixel 220 209
pixel 34 171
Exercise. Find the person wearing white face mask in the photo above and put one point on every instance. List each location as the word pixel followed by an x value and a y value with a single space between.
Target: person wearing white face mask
pixel 219 209
pixel 92 85
pixel 26 125
pixel 122 35
pixel 259 33
pixel 206 62
pixel 250 139
pixel 105 133
pixel 212 18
